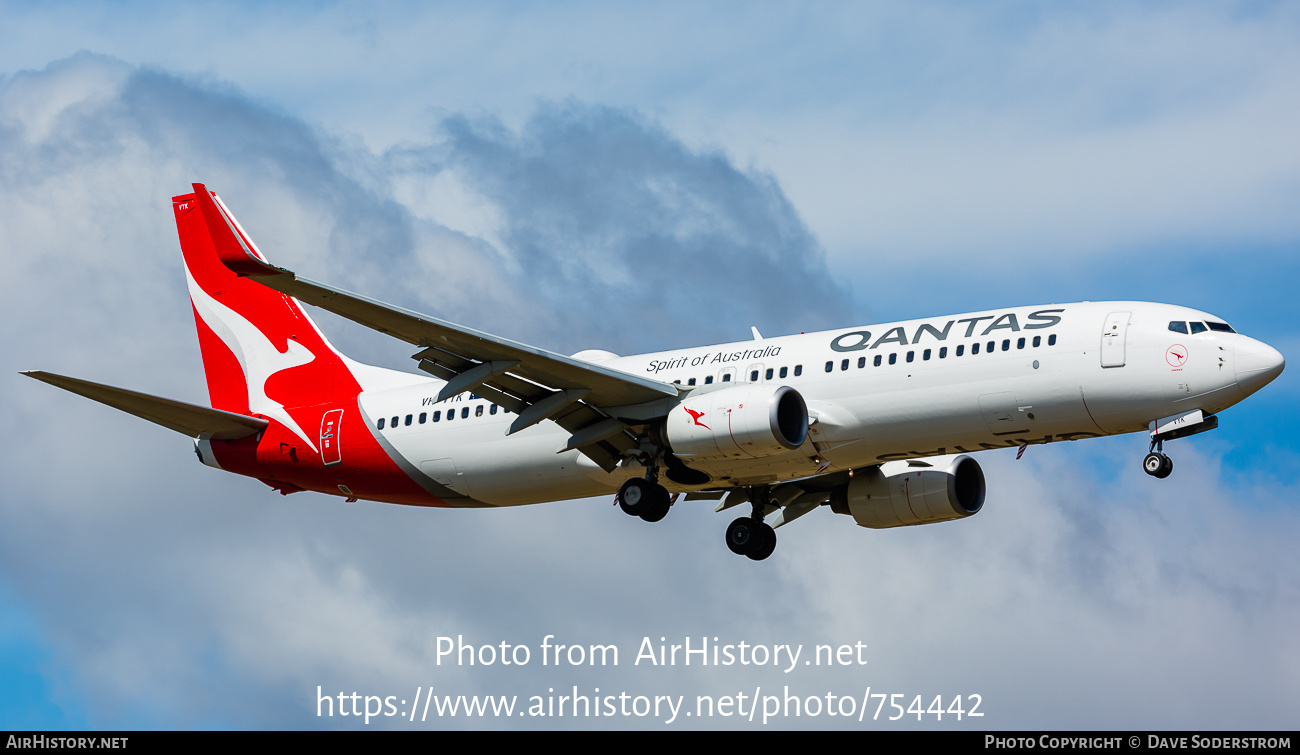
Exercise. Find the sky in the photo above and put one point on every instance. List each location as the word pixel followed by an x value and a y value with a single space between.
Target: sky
pixel 631 178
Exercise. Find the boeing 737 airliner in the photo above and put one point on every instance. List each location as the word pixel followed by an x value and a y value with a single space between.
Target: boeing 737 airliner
pixel 876 422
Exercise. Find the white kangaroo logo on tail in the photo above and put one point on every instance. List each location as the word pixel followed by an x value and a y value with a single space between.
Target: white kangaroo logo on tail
pixel 258 357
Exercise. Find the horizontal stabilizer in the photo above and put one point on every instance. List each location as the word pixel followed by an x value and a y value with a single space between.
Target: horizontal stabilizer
pixel 184 418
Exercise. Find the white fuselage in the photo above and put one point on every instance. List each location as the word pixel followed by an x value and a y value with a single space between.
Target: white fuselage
pixel 877 393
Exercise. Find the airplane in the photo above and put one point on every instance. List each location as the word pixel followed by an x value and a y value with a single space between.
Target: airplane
pixel 876 422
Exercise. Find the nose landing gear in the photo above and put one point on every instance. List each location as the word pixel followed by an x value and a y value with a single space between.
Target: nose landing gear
pixel 1156 463
pixel 1194 422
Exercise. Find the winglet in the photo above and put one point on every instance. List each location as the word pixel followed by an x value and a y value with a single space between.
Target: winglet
pixel 233 246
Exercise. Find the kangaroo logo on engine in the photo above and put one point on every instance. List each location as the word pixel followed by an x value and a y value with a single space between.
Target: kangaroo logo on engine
pixel 695 417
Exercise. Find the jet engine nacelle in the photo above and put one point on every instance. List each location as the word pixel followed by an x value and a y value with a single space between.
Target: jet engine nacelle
pixel 919 491
pixel 746 421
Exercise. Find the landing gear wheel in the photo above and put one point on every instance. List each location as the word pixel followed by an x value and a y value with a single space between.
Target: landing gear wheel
pixel 739 535
pixel 765 544
pixel 749 537
pixel 656 507
pixel 635 496
pixel 1158 465
pixel 1166 469
pixel 645 499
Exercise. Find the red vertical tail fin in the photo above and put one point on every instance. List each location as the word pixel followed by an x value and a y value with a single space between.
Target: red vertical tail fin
pixel 262 354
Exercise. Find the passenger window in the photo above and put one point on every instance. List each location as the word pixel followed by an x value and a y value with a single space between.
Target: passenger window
pixel 493 410
pixel 876 362
pixel 726 378
pixel 862 362
pixel 464 413
pixel 409 418
pixel 677 382
pixel 708 379
pixel 691 381
pixel 925 355
pixel 1038 340
pixel 991 346
pixel 1198 327
pixel 844 364
pixel 437 415
pixel 943 352
pixel 381 423
pixel 393 423
pixel 893 359
pixel 1051 340
pixel 961 349
pixel 768 374
pixel 753 376
pixel 830 366
pixel 798 370
pixel 478 411
pixel 451 414
pixel 1178 326
pixel 1006 344
pixel 784 371
pixel 910 354
pixel 1020 343
pixel 424 416
pixel 974 348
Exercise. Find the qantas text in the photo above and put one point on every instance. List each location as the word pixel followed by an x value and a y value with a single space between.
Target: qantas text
pixel 856 340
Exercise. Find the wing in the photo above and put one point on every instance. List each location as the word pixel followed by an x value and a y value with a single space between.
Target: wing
pixel 189 419
pixel 534 383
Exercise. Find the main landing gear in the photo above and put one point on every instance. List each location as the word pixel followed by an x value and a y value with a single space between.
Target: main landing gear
pixel 1156 463
pixel 645 498
pixel 747 536
pixel 750 535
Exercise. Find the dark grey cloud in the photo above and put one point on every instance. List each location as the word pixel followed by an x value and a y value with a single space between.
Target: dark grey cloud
pixel 617 222
pixel 171 594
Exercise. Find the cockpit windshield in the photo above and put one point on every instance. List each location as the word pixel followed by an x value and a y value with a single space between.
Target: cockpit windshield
pixel 1179 326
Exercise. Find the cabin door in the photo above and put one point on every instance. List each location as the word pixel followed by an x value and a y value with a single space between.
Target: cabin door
pixel 330 452
pixel 1112 339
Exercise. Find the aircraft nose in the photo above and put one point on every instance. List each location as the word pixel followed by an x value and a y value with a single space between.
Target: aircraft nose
pixel 1257 364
